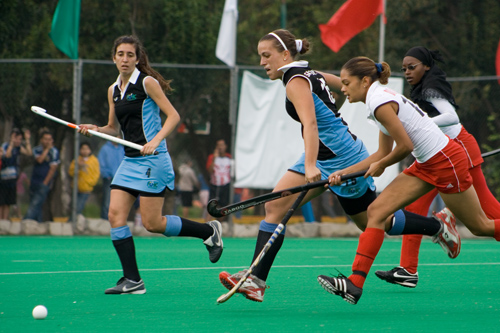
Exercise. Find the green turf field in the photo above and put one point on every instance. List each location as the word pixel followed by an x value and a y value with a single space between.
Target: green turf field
pixel 69 275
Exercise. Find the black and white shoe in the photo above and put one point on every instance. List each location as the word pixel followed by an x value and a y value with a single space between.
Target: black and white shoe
pixel 399 275
pixel 214 243
pixel 342 287
pixel 126 286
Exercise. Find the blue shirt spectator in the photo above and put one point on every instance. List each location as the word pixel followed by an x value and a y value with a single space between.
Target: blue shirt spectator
pixel 44 171
pixel 10 171
pixel 41 169
pixel 110 156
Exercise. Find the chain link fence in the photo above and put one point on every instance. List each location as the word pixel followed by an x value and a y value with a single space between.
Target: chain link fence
pixel 201 96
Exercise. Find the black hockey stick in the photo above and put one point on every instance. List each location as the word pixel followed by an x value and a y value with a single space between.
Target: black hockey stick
pixel 215 211
pixel 264 250
pixel 491 153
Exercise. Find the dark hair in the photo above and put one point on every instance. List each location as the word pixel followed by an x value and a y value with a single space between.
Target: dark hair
pixel 85 144
pixel 426 56
pixel 42 131
pixel 16 131
pixel 289 40
pixel 142 57
pixel 363 66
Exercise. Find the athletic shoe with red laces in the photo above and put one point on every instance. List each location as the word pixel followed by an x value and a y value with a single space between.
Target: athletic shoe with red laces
pixel 253 288
pixel 448 237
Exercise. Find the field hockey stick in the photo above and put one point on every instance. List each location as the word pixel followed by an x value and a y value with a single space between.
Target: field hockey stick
pixel 264 250
pixel 215 211
pixel 491 153
pixel 42 112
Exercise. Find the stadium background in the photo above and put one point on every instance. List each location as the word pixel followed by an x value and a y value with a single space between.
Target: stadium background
pixel 180 38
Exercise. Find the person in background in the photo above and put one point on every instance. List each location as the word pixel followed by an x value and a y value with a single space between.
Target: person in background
pixel 186 186
pixel 88 175
pixel 10 169
pixel 203 195
pixel 219 168
pixel 44 170
pixel 23 182
pixel 110 156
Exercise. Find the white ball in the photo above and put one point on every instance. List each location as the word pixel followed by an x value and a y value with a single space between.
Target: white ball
pixel 40 312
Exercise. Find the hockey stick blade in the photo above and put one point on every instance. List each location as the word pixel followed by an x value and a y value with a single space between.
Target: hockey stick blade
pixel 223 298
pixel 215 211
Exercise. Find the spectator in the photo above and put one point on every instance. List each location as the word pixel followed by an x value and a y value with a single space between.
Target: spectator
pixel 188 182
pixel 88 175
pixel 22 183
pixel 203 195
pixel 10 169
pixel 219 168
pixel 110 156
pixel 237 198
pixel 44 171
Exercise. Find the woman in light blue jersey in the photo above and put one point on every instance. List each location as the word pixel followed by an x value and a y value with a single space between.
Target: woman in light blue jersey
pixel 136 100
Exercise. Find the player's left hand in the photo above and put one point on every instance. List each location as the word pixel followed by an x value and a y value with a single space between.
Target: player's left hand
pixel 335 178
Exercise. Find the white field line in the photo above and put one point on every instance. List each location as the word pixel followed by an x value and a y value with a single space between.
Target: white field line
pixel 239 267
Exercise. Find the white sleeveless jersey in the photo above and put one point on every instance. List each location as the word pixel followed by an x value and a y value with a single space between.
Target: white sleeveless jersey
pixel 425 135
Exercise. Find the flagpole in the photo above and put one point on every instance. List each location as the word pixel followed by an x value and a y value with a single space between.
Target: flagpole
pixel 77 109
pixel 233 114
pixel 381 44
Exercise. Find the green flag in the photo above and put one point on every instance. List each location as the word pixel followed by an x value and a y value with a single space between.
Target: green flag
pixel 65 26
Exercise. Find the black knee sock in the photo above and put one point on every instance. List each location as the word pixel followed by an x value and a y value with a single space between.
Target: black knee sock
pixel 194 229
pixel 126 252
pixel 263 268
pixel 422 225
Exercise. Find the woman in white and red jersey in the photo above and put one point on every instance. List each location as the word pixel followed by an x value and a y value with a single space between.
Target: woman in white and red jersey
pixel 433 94
pixel 440 163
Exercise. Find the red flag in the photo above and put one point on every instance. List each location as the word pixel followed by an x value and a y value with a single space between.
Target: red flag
pixel 353 17
pixel 498 62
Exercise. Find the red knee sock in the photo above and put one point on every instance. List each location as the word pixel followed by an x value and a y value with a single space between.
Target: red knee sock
pixel 369 244
pixel 489 203
pixel 411 243
pixel 409 252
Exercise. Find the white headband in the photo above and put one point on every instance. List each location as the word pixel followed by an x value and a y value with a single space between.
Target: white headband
pixel 279 39
pixel 298 45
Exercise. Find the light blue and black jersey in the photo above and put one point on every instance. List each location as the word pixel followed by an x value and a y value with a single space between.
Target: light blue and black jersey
pixel 335 139
pixel 140 121
pixel 138 114
pixel 338 147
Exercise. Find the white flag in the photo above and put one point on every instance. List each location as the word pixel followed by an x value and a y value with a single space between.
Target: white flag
pixel 226 42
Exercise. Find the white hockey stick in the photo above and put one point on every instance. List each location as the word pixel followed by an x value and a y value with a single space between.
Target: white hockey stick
pixel 42 112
